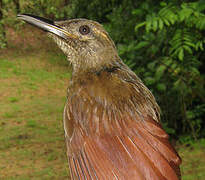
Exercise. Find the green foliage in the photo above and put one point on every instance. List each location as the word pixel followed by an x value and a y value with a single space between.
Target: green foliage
pixel 178 61
pixel 2 30
pixel 3 42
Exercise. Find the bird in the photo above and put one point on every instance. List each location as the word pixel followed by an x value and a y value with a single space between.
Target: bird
pixel 111 119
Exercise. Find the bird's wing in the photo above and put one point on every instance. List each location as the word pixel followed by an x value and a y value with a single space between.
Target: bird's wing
pixel 138 149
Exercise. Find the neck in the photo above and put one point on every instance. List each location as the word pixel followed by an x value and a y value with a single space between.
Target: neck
pixel 96 64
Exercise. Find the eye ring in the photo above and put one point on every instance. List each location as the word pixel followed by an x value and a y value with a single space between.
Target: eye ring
pixel 84 30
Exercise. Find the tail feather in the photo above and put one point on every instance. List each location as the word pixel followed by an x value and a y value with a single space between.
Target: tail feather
pixel 141 151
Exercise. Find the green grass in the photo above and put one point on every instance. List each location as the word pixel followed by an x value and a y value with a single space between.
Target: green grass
pixel 193 160
pixel 33 92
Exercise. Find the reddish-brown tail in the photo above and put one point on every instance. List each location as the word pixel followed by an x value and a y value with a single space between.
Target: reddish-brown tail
pixel 141 151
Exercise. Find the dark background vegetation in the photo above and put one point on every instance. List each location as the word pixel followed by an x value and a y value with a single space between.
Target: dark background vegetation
pixel 162 41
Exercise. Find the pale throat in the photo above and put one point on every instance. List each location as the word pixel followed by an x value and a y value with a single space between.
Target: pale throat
pixel 95 61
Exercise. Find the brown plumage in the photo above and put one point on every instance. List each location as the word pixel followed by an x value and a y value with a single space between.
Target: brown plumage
pixel 111 119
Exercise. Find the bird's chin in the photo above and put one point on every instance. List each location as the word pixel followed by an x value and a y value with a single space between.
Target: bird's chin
pixel 63 44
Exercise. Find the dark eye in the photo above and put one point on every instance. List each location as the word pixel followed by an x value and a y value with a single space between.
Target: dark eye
pixel 84 29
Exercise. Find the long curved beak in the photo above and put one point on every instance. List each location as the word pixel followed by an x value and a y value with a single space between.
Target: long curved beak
pixel 46 25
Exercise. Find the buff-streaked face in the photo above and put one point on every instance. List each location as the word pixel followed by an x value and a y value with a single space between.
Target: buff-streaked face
pixel 79 39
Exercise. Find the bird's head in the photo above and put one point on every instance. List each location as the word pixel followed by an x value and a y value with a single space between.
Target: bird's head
pixel 86 44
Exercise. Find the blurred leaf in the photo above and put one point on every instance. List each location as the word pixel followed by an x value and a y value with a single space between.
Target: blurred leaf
pixel 151 65
pixel 155 24
pixel 177 84
pixel 159 71
pixel 161 24
pixel 139 25
pixel 181 54
pixel 161 87
pixel 190 114
pixel 141 44
pixel 149 80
